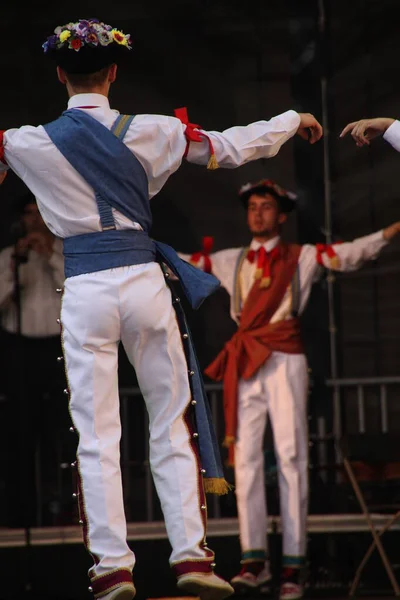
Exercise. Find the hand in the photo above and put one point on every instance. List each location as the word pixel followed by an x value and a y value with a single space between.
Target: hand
pixel 40 243
pixel 21 248
pixel 366 129
pixel 309 128
pixel 391 231
pixel 3 176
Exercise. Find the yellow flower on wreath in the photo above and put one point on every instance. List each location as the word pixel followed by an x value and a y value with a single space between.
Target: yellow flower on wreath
pixel 119 37
pixel 64 35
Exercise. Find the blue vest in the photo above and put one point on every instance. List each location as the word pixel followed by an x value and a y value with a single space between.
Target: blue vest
pixel 119 181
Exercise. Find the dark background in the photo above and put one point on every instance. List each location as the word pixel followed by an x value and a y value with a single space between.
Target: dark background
pixel 231 63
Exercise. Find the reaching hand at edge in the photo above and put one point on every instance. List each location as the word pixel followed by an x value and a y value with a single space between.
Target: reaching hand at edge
pixel 365 130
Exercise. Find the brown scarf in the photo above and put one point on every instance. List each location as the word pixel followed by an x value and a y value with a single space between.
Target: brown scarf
pixel 256 338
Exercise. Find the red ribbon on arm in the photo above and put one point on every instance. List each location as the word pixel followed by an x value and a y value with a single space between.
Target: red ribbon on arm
pixel 193 134
pixel 208 242
pixel 327 249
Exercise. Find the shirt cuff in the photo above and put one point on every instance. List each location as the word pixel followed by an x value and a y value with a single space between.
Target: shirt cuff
pixel 392 135
pixel 292 119
pixel 377 240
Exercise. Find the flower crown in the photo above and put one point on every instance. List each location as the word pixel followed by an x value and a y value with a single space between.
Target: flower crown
pixel 268 183
pixel 85 32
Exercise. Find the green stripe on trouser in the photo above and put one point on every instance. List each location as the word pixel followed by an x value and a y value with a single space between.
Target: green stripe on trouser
pixel 296 562
pixel 254 555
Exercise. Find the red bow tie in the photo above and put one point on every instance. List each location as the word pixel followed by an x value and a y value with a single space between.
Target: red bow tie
pixel 264 262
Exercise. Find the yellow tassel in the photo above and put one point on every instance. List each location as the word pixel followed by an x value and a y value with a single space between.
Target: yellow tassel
pixel 217 485
pixel 335 262
pixel 265 282
pixel 212 163
pixel 228 441
pixel 258 274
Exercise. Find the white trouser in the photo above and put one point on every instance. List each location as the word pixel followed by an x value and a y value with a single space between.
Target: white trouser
pixel 131 304
pixel 279 389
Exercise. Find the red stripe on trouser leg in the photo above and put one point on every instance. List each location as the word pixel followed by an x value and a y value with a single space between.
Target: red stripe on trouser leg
pixel 103 584
pixel 77 479
pixel 200 565
pixel 83 520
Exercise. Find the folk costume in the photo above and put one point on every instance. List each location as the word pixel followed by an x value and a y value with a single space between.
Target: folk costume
pixel 265 373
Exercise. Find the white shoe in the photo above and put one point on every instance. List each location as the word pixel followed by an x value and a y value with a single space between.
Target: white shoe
pixel 248 581
pixel 291 591
pixel 207 586
pixel 125 591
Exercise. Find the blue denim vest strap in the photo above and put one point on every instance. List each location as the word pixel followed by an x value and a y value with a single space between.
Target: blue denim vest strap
pixel 104 162
pixel 119 129
pixel 296 293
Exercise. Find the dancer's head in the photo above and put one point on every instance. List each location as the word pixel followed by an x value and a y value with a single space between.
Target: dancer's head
pixel 267 206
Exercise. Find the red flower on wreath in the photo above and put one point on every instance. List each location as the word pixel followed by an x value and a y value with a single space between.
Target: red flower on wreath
pixel 76 44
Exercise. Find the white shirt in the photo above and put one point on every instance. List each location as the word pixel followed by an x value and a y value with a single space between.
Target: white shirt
pixel 67 203
pixel 40 303
pixel 351 256
pixel 392 135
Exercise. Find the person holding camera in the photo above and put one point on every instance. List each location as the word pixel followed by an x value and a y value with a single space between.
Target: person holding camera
pixel 31 271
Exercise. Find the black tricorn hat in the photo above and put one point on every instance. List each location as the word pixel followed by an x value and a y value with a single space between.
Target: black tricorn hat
pixel 285 199
pixel 86 46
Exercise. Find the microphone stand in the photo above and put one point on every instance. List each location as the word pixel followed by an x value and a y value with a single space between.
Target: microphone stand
pixel 20 259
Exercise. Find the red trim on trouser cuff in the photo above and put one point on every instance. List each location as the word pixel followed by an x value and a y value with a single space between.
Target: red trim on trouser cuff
pixel 3 160
pixel 104 583
pixel 192 566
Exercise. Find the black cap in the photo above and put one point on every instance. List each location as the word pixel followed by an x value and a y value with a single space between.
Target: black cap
pixel 286 200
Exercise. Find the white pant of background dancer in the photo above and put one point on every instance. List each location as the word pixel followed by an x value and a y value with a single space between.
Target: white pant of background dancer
pixel 131 304
pixel 279 389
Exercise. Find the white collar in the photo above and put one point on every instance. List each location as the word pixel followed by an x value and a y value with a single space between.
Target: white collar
pixel 88 100
pixel 269 245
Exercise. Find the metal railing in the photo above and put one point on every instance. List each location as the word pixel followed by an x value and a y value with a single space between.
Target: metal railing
pixel 361 405
pixel 380 386
pixel 358 397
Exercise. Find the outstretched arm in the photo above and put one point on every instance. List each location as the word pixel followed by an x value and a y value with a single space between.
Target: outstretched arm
pixel 238 145
pixel 350 256
pixel 365 130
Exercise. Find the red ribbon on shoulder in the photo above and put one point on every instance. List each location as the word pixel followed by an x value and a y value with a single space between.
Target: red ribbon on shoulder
pixel 193 134
pixel 207 246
